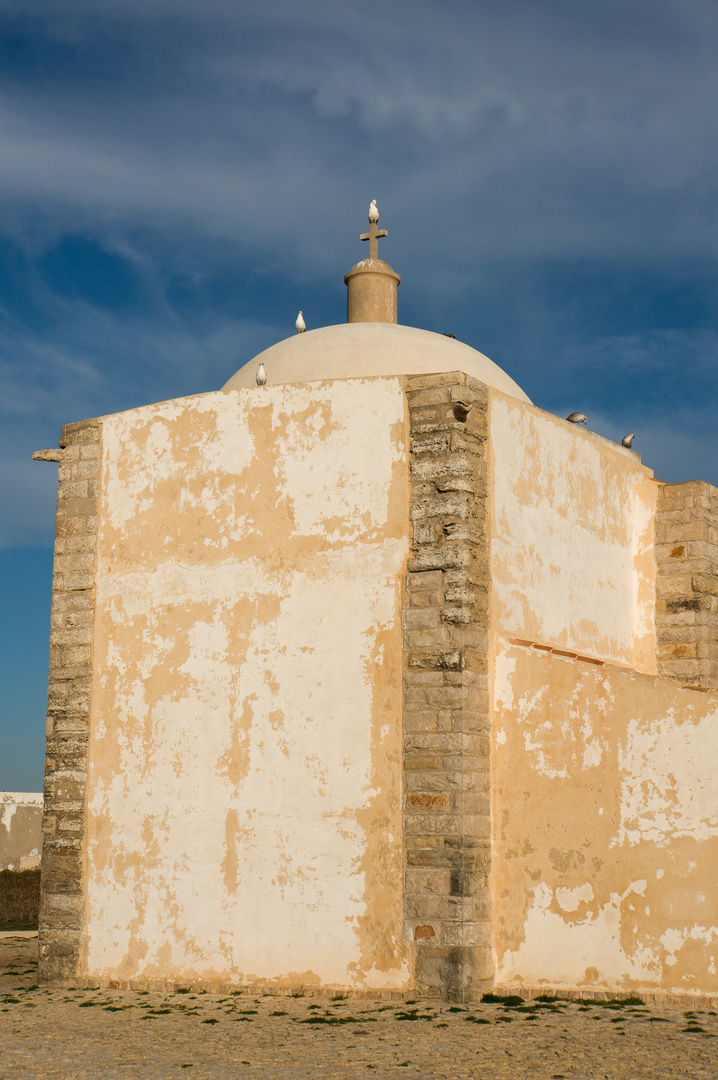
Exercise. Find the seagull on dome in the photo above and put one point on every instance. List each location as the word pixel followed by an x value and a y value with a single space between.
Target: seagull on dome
pixel 261 375
pixel 373 212
pixel 300 324
pixel 576 418
pixel 628 439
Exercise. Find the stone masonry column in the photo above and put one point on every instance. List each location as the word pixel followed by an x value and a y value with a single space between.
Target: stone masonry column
pixel 68 711
pixel 687 584
pixel 446 702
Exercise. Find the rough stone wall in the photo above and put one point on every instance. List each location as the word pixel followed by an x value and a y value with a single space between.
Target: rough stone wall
pixel 687 583
pixel 446 710
pixel 70 677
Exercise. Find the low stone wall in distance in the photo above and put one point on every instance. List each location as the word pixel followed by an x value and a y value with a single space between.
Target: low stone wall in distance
pixel 19 899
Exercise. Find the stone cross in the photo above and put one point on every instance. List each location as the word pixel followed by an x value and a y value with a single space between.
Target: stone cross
pixel 373 236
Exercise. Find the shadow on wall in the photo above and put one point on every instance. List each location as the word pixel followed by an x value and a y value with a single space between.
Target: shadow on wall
pixel 19 899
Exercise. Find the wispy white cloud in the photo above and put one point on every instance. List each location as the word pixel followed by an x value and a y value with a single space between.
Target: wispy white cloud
pixel 191 139
pixel 557 130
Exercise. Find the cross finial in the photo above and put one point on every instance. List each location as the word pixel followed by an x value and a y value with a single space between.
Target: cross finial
pixel 374 234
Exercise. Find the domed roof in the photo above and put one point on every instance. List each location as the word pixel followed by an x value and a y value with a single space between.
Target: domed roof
pixel 355 349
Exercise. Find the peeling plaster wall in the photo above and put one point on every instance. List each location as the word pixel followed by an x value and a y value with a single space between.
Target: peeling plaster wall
pixel 604 777
pixel 572 519
pixel 605 802
pixel 244 802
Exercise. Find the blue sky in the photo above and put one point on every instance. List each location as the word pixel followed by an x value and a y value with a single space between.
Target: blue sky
pixel 178 178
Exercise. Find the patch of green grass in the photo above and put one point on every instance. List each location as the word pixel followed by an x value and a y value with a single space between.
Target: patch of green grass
pixel 279 1012
pixel 87 1004
pixel 211 1020
pixel 187 1065
pixel 497 999
pixel 414 1014
pixel 657 1020
pixel 298 994
pixel 334 1020
pixel 251 1012
pixel 456 1009
pixel 477 1019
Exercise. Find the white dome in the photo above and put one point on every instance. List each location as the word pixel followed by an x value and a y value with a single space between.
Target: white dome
pixel 353 350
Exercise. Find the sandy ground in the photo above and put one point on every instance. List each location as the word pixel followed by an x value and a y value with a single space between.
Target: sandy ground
pixel 157 1036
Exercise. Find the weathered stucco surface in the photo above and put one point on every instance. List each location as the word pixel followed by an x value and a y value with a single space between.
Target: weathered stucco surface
pixel 244 786
pixel 605 805
pixel 572 559
pixel 604 777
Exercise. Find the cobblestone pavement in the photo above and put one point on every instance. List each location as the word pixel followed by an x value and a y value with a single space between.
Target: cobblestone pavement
pixel 112 1035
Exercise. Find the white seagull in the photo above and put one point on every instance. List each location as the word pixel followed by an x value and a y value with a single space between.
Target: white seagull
pixel 576 418
pixel 300 324
pixel 261 375
pixel 627 440
pixel 373 213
